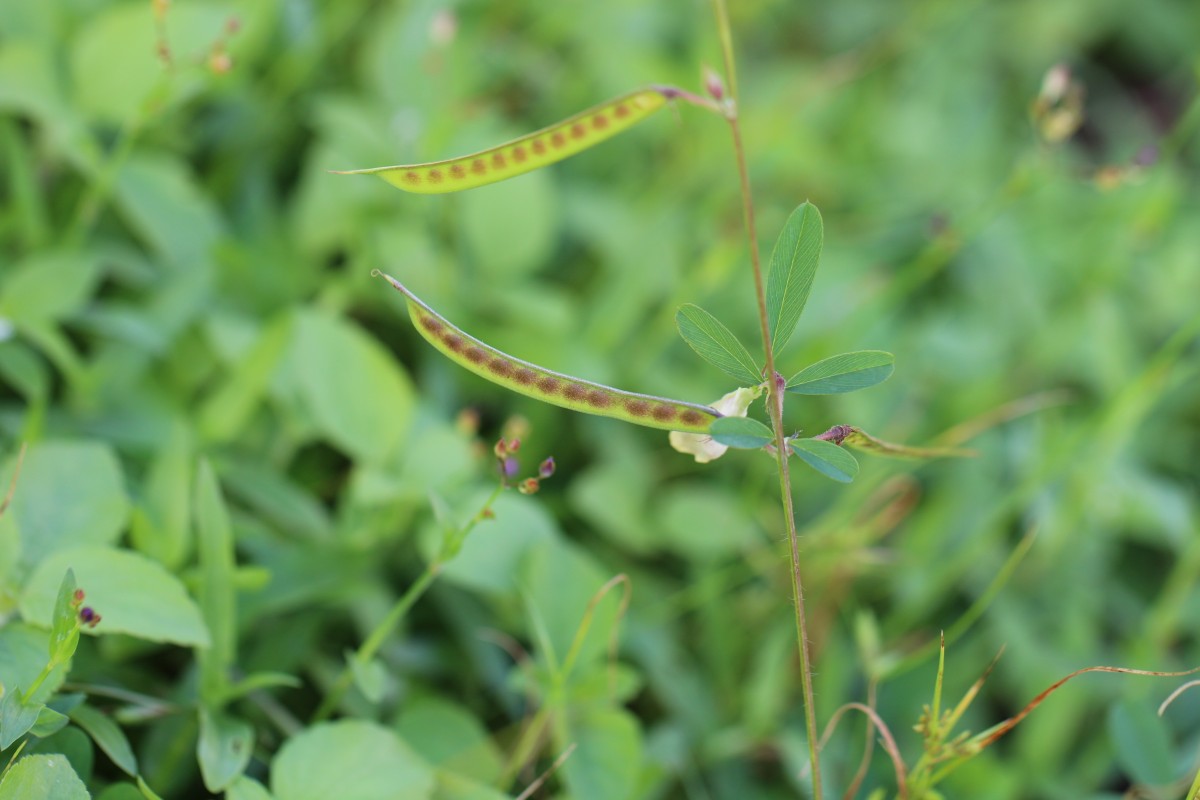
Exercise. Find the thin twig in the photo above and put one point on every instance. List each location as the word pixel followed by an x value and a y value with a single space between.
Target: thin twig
pixel 775 397
pixel 537 784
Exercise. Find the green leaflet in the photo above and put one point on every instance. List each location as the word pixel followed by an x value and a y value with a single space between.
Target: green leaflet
pixel 713 342
pixel 741 433
pixel 847 372
pixel 793 267
pixel 532 151
pixel 546 385
pixel 826 458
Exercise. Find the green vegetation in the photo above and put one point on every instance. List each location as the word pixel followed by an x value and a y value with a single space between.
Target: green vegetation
pixel 283 504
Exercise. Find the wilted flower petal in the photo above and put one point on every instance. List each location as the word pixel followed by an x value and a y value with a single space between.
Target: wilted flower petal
pixel 701 445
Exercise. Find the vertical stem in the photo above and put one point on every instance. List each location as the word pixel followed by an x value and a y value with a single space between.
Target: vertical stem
pixel 774 400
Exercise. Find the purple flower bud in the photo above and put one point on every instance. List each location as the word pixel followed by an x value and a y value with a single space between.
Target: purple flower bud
pixel 546 468
pixel 510 467
pixel 86 615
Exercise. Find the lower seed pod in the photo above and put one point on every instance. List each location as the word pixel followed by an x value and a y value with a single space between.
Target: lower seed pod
pixel 546 385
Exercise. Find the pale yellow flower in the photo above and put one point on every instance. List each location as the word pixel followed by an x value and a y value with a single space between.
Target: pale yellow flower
pixel 701 445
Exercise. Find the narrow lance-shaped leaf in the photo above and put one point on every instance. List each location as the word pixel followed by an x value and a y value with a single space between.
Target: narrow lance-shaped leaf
pixel 530 152
pixel 741 432
pixel 713 342
pixel 793 267
pixel 847 372
pixel 548 386
pixel 861 440
pixel 826 458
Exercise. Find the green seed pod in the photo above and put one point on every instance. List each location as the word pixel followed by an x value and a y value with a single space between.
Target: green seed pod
pixel 529 152
pixel 547 386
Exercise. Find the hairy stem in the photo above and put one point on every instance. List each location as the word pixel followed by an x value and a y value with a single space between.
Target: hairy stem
pixel 774 400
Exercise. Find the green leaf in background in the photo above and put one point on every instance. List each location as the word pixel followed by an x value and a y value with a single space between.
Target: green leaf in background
pixel 48 286
pixel 162 522
pixel 70 742
pixel 326 760
pixel 353 388
pixel 843 373
pixel 133 595
pixel 85 472
pixel 225 412
pixel 247 789
pixel 49 722
pixel 703 522
pixel 1142 744
pixel 607 757
pixel 713 342
pixel 16 715
pixel 450 737
pixel 826 458
pixel 216 591
pixel 741 432
pixel 23 654
pixel 510 229
pixel 224 749
pixel 107 736
pixel 793 267
pixel 42 776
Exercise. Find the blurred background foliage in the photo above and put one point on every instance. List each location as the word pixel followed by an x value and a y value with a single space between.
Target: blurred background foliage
pixel 181 279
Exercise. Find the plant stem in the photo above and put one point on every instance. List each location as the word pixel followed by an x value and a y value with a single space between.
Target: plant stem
pixel 451 544
pixel 774 399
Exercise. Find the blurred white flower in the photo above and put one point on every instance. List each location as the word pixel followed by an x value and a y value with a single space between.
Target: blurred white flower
pixel 701 445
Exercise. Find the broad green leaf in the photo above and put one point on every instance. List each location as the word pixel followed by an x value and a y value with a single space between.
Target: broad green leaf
pixel 133 595
pixel 70 493
pixel 450 738
pixel 48 286
pixel 843 373
pixel 1142 743
pixel 23 654
pixel 354 389
pixel 247 789
pixel 224 749
pixel 713 342
pixel 42 776
pixel 121 791
pixel 491 556
pixel 741 432
pixel 510 229
pixel 325 760
pixel 370 677
pixel 70 742
pixel 529 152
pixel 454 786
pixel 826 458
pixel 216 590
pixel 793 267
pixel 703 521
pixel 49 722
pixel 107 736
pixel 607 758
pixel 561 580
pixel 861 440
pixel 17 717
